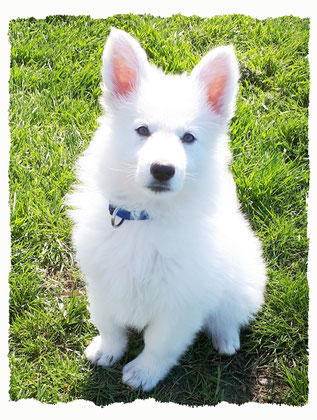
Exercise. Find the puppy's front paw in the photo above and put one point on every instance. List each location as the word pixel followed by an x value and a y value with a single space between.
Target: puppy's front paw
pixel 102 354
pixel 143 373
pixel 226 344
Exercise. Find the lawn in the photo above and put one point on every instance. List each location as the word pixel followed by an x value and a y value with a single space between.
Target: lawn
pixel 54 106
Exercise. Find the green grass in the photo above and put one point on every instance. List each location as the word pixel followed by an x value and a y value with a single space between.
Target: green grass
pixel 54 92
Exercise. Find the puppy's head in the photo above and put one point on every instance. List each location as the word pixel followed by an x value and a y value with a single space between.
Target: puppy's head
pixel 164 127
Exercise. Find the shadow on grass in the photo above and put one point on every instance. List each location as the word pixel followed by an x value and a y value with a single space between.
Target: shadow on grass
pixel 201 378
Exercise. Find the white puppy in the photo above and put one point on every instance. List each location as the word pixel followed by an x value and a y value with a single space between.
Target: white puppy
pixel 189 259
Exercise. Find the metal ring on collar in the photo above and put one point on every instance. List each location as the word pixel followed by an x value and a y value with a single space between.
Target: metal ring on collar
pixel 113 218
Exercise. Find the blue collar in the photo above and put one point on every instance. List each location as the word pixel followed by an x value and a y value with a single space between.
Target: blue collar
pixel 126 215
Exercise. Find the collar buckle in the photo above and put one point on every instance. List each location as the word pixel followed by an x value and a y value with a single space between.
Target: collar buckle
pixel 113 212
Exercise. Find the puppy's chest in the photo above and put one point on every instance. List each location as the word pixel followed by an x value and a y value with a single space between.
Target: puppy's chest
pixel 147 271
pixel 142 258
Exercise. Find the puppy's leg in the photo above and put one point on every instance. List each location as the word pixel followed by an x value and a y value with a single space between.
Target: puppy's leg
pixel 224 329
pixel 108 347
pixel 166 338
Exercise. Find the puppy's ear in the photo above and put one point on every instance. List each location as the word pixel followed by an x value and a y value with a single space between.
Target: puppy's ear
pixel 124 64
pixel 218 74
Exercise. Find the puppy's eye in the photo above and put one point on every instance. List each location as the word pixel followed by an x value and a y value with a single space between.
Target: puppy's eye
pixel 143 131
pixel 188 138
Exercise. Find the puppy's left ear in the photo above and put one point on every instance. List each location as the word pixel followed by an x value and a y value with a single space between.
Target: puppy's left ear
pixel 218 75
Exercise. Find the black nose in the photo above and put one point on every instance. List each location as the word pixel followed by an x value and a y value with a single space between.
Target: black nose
pixel 162 172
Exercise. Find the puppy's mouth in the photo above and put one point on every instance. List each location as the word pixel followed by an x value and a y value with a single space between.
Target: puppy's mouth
pixel 159 188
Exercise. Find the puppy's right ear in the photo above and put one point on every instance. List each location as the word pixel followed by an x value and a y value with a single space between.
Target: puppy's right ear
pixel 124 64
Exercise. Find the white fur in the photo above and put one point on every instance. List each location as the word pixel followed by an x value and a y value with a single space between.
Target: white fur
pixel 196 262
